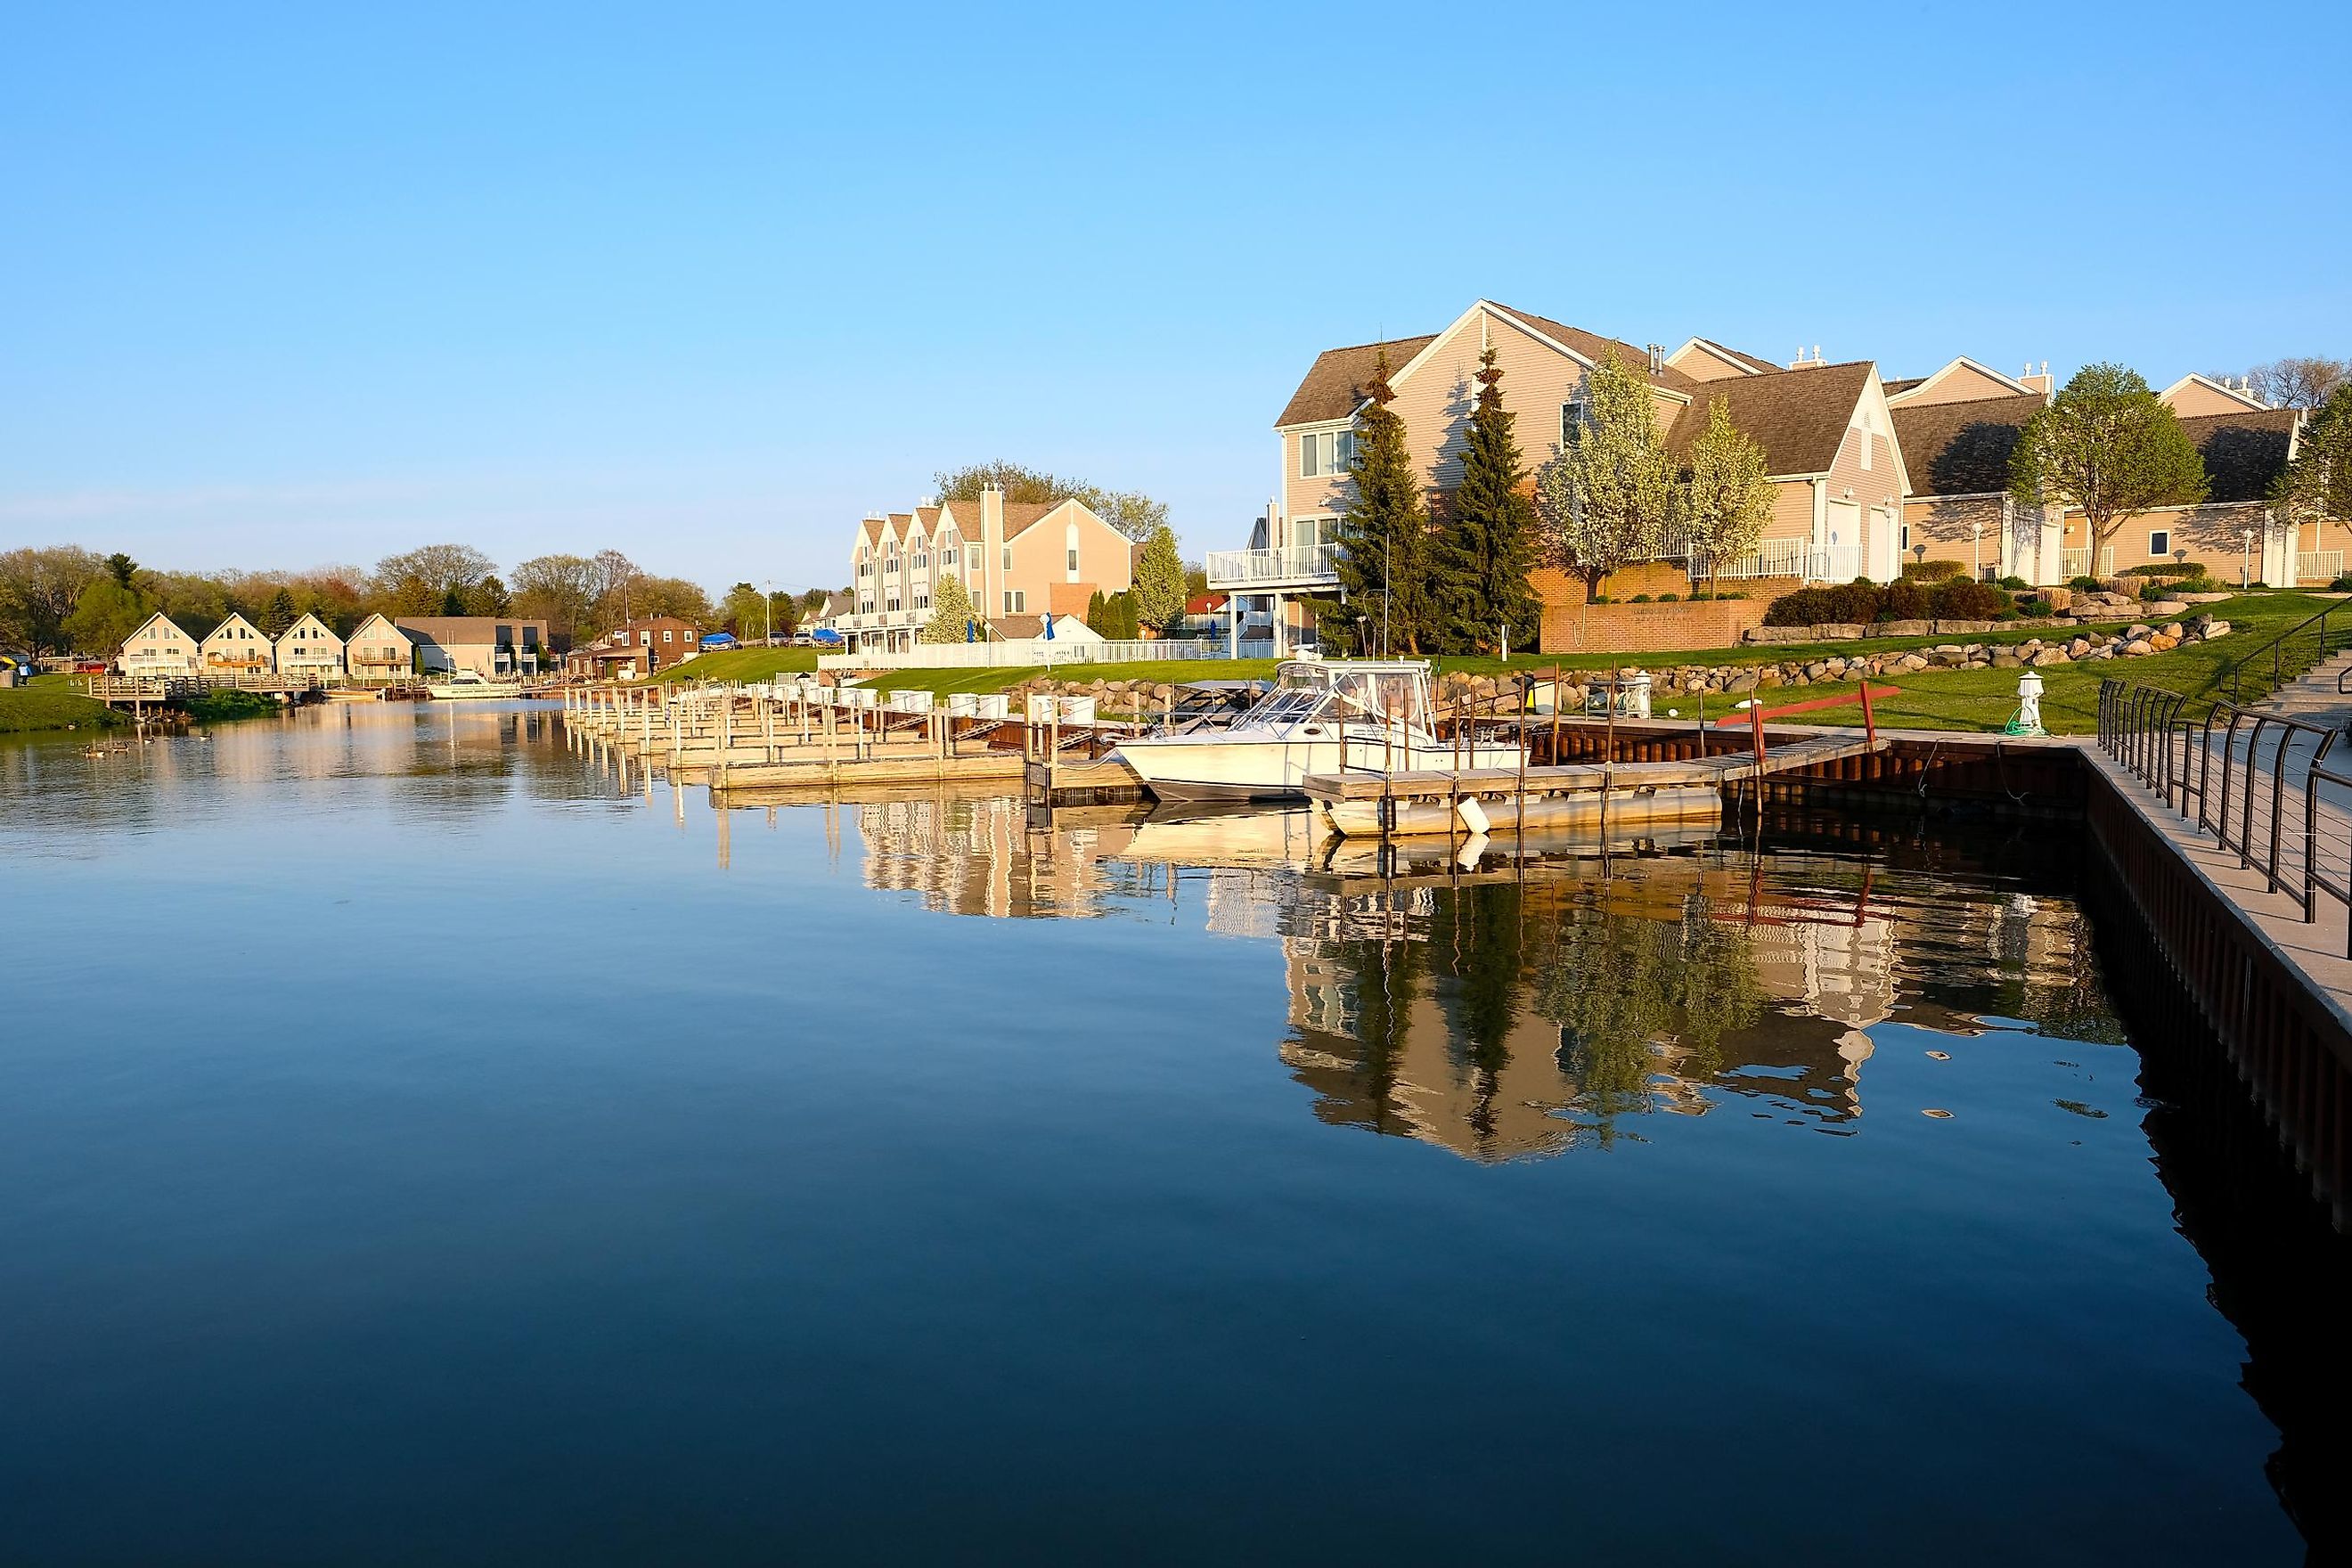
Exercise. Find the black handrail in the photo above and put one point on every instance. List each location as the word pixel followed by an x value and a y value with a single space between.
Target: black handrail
pixel 2140 727
pixel 2275 651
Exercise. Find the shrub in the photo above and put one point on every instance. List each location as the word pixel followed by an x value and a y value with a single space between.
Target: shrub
pixel 2015 584
pixel 2207 585
pixel 1854 603
pixel 1934 571
pixel 1904 600
pixel 2341 585
pixel 2085 585
pixel 1805 607
pixel 2168 569
pixel 1961 599
pixel 1669 598
pixel 1602 599
pixel 1639 599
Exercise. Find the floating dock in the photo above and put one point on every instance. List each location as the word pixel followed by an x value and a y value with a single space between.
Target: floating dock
pixel 1483 800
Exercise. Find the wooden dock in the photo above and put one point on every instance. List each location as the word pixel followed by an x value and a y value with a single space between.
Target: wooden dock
pixel 1358 803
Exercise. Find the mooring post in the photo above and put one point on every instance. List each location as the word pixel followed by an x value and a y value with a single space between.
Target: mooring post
pixel 1869 723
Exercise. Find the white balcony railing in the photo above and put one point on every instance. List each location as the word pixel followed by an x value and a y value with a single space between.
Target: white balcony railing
pixel 1797 558
pixel 2318 565
pixel 1296 567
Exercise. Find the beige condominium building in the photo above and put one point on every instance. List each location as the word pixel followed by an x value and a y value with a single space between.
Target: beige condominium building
pixel 496 646
pixel 1019 562
pixel 1865 470
pixel 236 647
pixel 159 648
pixel 311 648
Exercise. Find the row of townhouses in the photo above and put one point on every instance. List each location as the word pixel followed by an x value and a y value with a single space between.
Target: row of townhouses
pixel 1022 565
pixel 380 648
pixel 1865 470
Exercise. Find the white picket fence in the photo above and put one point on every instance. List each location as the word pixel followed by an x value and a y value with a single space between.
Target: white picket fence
pixel 1016 652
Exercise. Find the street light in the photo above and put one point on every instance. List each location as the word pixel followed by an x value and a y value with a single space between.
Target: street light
pixel 2246 558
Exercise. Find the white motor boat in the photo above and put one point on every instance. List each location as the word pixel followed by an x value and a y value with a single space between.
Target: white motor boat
pixel 1320 717
pixel 459 685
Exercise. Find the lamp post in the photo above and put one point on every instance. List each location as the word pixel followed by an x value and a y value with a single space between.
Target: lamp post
pixel 2245 559
pixel 1976 528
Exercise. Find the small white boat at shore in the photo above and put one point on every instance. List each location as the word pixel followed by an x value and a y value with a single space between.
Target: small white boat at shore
pixel 1322 716
pixel 461 684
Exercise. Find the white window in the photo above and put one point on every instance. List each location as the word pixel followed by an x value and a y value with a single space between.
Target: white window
pixel 645 639
pixel 666 634
pixel 948 554
pixel 1008 558
pixel 2159 544
pixel 1324 453
pixel 1571 421
pixel 1865 433
pixel 1073 564
pixel 1015 601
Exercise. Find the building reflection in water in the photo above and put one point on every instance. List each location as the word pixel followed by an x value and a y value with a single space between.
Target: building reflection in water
pixel 1516 1012
pixel 1507 1019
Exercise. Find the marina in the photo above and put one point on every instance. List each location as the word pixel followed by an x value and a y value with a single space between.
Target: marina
pixel 1878 1068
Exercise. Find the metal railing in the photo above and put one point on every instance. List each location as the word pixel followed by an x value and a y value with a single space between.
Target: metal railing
pixel 2291 653
pixel 1244 569
pixel 1785 558
pixel 2250 773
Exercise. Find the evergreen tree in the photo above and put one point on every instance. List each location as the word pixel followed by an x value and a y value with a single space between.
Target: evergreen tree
pixel 1483 560
pixel 950 613
pixel 1159 592
pixel 1384 536
pixel 278 614
pixel 2318 483
pixel 1094 603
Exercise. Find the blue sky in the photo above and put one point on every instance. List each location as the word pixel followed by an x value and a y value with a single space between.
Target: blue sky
pixel 287 287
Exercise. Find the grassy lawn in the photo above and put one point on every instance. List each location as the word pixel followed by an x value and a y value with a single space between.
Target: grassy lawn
pixel 742 664
pixel 50 702
pixel 1931 700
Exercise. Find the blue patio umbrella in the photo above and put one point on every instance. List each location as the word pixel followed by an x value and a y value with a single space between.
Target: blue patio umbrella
pixel 1049 628
pixel 967 629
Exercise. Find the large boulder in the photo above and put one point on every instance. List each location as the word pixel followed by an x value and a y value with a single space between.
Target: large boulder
pixel 2048 656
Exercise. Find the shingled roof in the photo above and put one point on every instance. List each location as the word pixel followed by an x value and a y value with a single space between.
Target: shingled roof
pixel 1340 379
pixel 1798 417
pixel 1963 449
pixel 1594 346
pixel 2244 452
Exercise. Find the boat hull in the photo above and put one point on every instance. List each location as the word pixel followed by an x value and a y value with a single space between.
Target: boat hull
pixel 1210 768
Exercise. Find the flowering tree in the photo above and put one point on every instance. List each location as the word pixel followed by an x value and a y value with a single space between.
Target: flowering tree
pixel 1726 498
pixel 1608 498
pixel 950 613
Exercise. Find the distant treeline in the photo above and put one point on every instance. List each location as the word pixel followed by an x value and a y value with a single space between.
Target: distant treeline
pixel 65 599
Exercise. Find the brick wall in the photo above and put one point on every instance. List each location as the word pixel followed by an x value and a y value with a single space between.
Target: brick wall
pixel 1570 626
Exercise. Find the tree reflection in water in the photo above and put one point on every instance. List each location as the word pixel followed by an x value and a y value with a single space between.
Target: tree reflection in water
pixel 1507 1019
pixel 1643 1006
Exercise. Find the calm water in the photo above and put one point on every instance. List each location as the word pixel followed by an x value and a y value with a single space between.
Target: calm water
pixel 422 1144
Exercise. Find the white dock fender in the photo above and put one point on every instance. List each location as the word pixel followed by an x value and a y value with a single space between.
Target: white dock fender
pixel 1472 815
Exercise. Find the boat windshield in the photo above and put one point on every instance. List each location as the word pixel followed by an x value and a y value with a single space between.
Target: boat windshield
pixel 1383 697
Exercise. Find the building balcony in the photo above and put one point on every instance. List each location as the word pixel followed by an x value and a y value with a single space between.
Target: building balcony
pixel 1298 568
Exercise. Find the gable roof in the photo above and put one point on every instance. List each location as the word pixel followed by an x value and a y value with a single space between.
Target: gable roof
pixel 2245 399
pixel 1747 364
pixel 1339 380
pixel 1963 449
pixel 1902 385
pixel 373 616
pixel 2244 453
pixel 1019 515
pixel 236 620
pixel 1958 364
pixel 312 617
pixel 168 622
pixel 1798 417
pixel 1594 346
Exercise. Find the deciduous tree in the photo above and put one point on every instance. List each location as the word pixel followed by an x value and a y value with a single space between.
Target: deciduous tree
pixel 38 589
pixel 1383 557
pixel 560 590
pixel 105 613
pixel 1726 494
pixel 1484 554
pixel 2318 483
pixel 952 616
pixel 426 581
pixel 1608 498
pixel 1131 512
pixel 1160 581
pixel 2106 448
